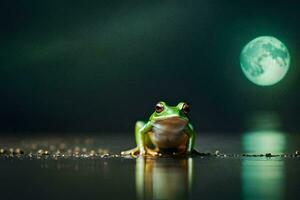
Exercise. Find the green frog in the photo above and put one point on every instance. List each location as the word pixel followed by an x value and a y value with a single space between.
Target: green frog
pixel 168 129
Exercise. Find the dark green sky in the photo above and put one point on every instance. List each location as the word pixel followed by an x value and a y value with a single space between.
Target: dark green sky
pixel 101 65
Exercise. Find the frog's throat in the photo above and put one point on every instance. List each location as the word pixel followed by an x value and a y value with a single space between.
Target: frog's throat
pixel 170 124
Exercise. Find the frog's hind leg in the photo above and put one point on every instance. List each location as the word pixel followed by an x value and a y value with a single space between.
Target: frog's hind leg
pixel 135 151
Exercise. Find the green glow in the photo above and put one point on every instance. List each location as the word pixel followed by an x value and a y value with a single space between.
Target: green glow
pixel 265 60
pixel 264 142
pixel 263 177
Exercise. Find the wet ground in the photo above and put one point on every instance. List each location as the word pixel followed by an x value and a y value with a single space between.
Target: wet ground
pixel 254 165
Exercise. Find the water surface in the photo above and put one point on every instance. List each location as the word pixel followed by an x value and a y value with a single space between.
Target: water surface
pixel 114 177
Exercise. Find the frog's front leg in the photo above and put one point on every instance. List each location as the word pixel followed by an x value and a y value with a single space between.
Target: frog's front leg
pixel 141 128
pixel 191 139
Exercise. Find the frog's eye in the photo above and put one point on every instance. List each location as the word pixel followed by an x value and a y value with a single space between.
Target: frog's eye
pixel 185 108
pixel 159 107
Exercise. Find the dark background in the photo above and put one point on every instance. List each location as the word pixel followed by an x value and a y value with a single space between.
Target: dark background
pixel 73 66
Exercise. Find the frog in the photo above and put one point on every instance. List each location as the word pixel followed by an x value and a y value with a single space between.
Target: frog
pixel 167 130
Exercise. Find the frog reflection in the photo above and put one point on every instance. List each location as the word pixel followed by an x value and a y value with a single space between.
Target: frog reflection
pixel 163 178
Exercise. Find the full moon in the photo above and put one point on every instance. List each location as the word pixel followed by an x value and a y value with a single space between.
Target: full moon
pixel 265 60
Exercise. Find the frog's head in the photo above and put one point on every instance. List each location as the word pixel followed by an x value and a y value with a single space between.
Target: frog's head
pixel 163 112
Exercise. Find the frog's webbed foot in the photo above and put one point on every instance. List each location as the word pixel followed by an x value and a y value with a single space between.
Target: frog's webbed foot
pixel 132 152
pixel 151 152
pixel 136 151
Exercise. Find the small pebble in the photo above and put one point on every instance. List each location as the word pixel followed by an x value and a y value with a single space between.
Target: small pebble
pixel 268 155
pixel 40 151
pixel 57 153
pixel 297 153
pixel 3 151
pixel 92 153
pixel 11 150
pixel 19 151
pixel 104 155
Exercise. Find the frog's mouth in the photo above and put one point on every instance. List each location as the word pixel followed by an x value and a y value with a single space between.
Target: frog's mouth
pixel 170 124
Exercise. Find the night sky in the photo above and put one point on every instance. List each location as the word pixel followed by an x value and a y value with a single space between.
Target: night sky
pixel 79 66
